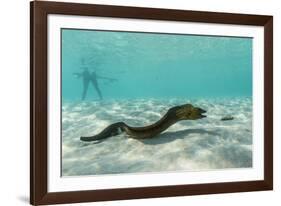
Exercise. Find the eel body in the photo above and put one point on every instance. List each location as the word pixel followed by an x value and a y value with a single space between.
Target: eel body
pixel 174 114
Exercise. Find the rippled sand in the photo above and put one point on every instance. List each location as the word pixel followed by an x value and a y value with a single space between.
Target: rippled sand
pixel 204 144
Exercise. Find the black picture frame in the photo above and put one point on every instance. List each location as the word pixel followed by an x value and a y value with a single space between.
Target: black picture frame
pixel 39 11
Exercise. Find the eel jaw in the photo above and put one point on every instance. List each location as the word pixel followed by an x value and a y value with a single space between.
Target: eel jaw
pixel 202 111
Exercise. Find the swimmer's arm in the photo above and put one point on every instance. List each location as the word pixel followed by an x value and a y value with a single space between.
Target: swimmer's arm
pixel 107 78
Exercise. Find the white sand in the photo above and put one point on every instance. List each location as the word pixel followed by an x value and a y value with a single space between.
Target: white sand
pixel 203 144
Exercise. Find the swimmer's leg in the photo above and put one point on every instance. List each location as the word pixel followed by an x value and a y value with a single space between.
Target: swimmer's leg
pixel 85 89
pixel 95 84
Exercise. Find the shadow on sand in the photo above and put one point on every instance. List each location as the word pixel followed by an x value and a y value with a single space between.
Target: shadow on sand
pixel 162 138
pixel 172 136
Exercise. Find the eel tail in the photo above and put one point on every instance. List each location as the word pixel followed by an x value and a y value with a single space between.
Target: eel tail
pixel 110 131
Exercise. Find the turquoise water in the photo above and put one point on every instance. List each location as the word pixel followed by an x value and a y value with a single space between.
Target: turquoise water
pixel 149 65
pixel 148 74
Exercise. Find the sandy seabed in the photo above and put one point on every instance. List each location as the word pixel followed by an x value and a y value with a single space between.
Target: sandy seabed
pixel 191 145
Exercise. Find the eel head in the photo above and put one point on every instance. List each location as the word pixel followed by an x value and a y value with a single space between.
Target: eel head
pixel 189 112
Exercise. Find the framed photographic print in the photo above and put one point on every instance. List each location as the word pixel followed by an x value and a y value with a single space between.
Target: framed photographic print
pixel 130 102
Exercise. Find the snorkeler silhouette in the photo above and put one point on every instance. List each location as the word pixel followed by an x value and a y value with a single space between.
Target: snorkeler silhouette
pixel 90 77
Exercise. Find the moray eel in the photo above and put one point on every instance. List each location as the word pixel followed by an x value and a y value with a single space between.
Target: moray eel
pixel 174 114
